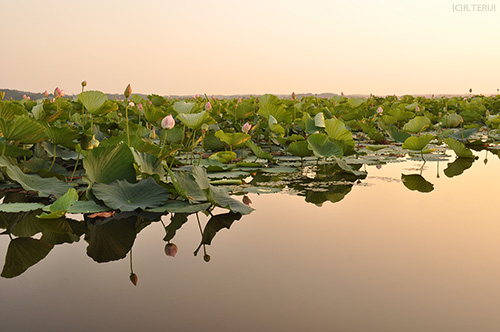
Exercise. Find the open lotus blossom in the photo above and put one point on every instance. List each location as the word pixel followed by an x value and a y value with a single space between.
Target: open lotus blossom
pixel 380 110
pixel 246 127
pixel 57 92
pixel 208 106
pixel 168 122
pixel 171 249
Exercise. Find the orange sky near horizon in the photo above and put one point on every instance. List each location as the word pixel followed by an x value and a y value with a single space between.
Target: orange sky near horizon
pixel 228 47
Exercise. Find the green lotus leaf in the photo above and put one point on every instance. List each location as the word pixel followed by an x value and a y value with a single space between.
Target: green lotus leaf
pixel 176 206
pixel 417 143
pixel 22 129
pixel 417 124
pixel 464 134
pixel 44 186
pixel 417 182
pixel 232 139
pixel 242 111
pixel 9 110
pixel 215 224
pixel 356 102
pixel 459 148
pixel 61 205
pixel 300 149
pixel 110 163
pixel 321 145
pixel 125 196
pixel 157 100
pixel 87 207
pixel 22 253
pixel 224 156
pixel 64 136
pixel 319 120
pixel 20 207
pixel 195 120
pixel 182 107
pixel 14 151
pixel 257 151
pixel 176 222
pixel 270 105
pixel 397 135
pixel 92 100
pixel 451 120
pixel 400 114
pixel 149 164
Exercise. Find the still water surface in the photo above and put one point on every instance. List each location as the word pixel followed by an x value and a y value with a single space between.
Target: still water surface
pixel 383 259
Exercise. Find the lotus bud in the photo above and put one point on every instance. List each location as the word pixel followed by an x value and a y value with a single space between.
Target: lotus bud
pixel 168 122
pixel 485 161
pixel 208 106
pixel 246 200
pixel 213 97
pixel 246 127
pixel 128 91
pixel 152 134
pixel 94 143
pixel 25 97
pixel 63 93
pixel 417 109
pixel 133 278
pixel 470 90
pixel 139 107
pixel 131 104
pixel 239 100
pixel 378 166
pixel 294 96
pixel 84 83
pixel 57 92
pixel 206 258
pixel 380 110
pixel 171 249
pixel 46 94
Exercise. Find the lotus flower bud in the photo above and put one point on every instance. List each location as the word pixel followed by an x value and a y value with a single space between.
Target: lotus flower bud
pixel 171 249
pixel 213 97
pixel 25 97
pixel 139 107
pixel 246 200
pixel 380 110
pixel 131 104
pixel 133 278
pixel 46 94
pixel 206 258
pixel 63 93
pixel 485 161
pixel 57 92
pixel 246 127
pixel 208 106
pixel 378 166
pixel 168 122
pixel 128 91
pixel 196 96
pixel 294 96
pixel 417 109
pixel 84 83
pixel 470 90
pixel 239 100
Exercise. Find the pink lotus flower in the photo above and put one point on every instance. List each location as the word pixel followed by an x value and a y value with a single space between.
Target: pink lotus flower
pixel 57 92
pixel 239 100
pixel 246 200
pixel 46 94
pixel 63 93
pixel 171 249
pixel 208 106
pixel 128 91
pixel 417 109
pixel 131 104
pixel 139 107
pixel 380 110
pixel 168 122
pixel 246 127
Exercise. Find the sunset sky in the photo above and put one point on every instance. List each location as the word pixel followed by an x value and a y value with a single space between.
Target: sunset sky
pixel 251 47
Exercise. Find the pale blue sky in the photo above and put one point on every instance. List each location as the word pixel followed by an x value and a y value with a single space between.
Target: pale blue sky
pixel 232 47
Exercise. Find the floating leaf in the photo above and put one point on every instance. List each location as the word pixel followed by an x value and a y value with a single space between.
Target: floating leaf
pixel 125 196
pixel 20 207
pixel 224 156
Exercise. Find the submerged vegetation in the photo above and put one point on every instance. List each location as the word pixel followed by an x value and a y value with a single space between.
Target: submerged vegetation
pixel 124 164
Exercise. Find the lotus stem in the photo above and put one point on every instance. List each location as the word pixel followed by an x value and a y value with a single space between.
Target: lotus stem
pixel 163 144
pixel 131 267
pixel 53 159
pixel 126 122
pixel 4 148
pixel 76 165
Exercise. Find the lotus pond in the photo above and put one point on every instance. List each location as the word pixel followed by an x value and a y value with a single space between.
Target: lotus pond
pixel 348 214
